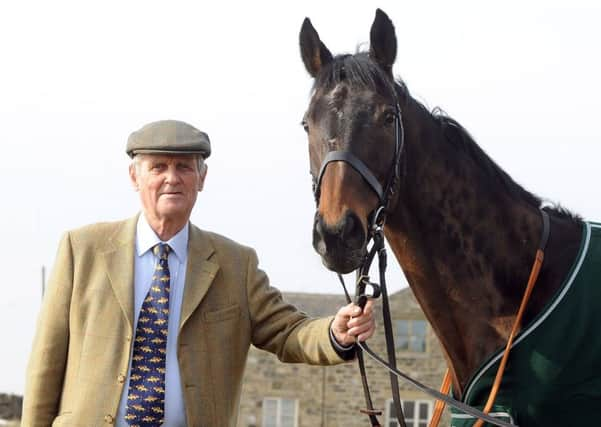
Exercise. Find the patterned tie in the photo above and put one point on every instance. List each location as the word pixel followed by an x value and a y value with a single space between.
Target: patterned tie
pixel 146 395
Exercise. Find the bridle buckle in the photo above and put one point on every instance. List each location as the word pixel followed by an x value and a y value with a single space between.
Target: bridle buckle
pixel 378 219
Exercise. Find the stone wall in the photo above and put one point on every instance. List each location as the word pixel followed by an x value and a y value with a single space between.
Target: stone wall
pixel 10 406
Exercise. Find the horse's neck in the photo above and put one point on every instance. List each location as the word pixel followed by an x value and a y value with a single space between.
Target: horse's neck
pixel 466 250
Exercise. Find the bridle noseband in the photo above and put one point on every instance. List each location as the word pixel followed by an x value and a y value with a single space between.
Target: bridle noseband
pixel 384 193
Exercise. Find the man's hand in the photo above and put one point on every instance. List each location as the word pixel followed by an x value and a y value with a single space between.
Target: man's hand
pixel 350 323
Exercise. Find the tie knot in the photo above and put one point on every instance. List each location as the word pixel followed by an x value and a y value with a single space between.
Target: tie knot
pixel 161 250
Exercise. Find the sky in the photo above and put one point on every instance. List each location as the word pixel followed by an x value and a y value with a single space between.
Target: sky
pixel 76 78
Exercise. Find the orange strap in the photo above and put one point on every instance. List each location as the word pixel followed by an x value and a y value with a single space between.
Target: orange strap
pixel 440 405
pixel 444 388
pixel 516 326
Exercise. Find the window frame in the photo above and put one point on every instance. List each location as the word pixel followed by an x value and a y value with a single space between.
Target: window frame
pixel 410 336
pixel 388 419
pixel 279 401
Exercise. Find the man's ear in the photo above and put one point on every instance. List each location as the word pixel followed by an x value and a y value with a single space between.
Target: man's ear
pixel 203 174
pixel 133 177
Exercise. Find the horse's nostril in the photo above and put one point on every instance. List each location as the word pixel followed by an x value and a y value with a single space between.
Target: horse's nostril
pixel 318 237
pixel 348 227
pixel 320 247
pixel 347 235
pixel 352 231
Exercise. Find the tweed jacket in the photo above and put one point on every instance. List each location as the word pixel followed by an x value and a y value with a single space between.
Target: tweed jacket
pixel 80 358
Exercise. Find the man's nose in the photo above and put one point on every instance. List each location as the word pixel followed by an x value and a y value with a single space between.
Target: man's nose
pixel 172 175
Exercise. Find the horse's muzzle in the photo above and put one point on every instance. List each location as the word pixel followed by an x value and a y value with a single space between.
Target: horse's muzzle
pixel 342 245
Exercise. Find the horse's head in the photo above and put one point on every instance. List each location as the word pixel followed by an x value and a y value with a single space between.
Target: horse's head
pixel 353 126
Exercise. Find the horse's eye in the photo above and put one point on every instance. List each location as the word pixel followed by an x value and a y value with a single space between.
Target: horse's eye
pixel 305 126
pixel 389 118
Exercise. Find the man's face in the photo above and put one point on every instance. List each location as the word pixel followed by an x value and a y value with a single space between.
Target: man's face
pixel 168 184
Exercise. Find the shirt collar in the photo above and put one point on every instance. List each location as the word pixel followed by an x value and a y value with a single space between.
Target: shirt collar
pixel 146 239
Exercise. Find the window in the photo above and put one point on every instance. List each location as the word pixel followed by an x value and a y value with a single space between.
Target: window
pixel 410 335
pixel 417 413
pixel 279 412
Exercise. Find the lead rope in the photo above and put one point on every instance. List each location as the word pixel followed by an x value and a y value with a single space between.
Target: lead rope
pixel 446 382
pixel 388 332
pixel 370 411
pixel 361 299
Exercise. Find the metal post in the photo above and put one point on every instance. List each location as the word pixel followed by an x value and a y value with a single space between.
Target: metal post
pixel 323 396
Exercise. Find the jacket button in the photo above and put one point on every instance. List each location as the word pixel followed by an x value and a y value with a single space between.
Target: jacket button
pixel 121 379
pixel 108 419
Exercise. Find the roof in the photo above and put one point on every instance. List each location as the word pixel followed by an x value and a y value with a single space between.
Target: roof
pixel 320 305
pixel 315 305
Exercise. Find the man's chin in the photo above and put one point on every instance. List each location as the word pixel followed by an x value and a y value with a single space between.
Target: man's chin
pixel 173 209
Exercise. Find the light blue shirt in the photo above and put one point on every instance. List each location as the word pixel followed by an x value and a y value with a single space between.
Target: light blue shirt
pixel 146 238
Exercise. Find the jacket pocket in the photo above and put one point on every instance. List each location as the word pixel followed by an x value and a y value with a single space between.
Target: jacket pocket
pixel 221 314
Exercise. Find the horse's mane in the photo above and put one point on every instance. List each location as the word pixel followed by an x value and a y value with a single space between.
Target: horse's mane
pixel 360 70
pixel 461 138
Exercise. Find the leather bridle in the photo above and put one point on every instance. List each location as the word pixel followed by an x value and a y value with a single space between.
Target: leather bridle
pixel 384 193
pixel 376 234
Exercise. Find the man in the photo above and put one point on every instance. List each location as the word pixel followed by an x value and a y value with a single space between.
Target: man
pixel 148 321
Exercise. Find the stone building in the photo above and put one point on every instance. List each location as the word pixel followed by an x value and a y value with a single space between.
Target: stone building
pixel 10 408
pixel 275 394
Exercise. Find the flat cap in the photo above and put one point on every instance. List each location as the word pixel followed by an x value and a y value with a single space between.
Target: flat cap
pixel 170 137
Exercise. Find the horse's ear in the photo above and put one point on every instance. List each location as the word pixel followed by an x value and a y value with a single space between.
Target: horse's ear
pixel 314 53
pixel 382 41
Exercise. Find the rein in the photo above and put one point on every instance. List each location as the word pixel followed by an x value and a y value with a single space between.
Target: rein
pixel 362 281
pixel 361 299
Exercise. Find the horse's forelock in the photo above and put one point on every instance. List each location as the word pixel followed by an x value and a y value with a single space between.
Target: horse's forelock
pixel 357 70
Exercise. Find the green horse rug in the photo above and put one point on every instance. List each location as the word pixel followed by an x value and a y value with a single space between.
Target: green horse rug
pixel 553 375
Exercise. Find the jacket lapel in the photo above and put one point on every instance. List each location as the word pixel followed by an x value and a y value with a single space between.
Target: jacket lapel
pixel 119 259
pixel 199 274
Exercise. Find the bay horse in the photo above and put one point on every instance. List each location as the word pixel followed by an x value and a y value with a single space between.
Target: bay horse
pixel 464 232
